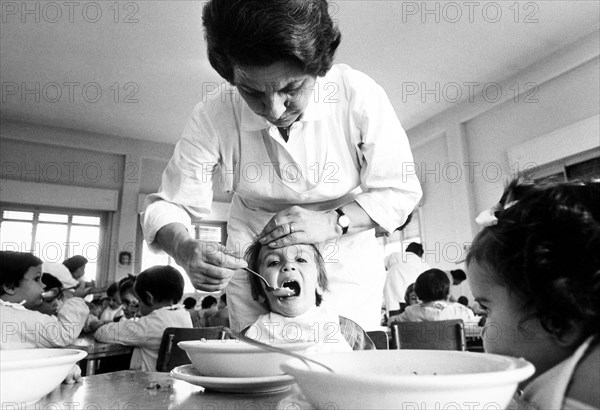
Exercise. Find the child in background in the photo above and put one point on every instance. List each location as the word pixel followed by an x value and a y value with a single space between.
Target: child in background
pixel 76 265
pixel 159 290
pixel 114 308
pixel 432 288
pixel 22 327
pixel 535 269
pixel 208 307
pixel 129 302
pixel 297 308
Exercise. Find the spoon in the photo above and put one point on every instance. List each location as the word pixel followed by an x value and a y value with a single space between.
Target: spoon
pixel 273 348
pixel 280 291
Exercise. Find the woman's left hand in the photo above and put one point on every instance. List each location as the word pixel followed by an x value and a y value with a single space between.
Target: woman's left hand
pixel 298 225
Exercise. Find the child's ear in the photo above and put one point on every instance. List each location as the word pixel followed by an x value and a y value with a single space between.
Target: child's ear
pixel 9 290
pixel 149 298
pixel 568 338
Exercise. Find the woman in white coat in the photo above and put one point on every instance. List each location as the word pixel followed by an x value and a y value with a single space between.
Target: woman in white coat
pixel 313 153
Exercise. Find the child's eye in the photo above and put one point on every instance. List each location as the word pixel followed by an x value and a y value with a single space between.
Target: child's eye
pixel 272 263
pixel 301 260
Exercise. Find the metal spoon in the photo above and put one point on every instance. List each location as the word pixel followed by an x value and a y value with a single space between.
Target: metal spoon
pixel 280 291
pixel 273 348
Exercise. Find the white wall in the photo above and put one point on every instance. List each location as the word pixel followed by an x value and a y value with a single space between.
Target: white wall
pixel 465 148
pixel 37 156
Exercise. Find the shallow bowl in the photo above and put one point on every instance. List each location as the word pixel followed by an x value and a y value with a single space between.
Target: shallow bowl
pixel 29 374
pixel 235 358
pixel 410 379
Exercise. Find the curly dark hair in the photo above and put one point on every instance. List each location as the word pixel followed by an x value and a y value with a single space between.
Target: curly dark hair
pixel 262 32
pixel 545 248
pixel 14 266
pixel 252 257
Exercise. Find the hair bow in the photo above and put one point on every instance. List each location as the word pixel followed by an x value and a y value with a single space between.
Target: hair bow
pixel 489 217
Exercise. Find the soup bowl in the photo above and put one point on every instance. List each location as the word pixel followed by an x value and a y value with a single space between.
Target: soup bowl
pixel 29 374
pixel 410 379
pixel 235 358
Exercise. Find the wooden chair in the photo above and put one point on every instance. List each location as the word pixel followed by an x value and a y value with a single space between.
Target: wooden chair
pixel 430 335
pixel 171 356
pixel 380 338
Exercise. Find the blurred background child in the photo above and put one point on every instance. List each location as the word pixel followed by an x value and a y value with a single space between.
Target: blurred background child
pixel 432 288
pixel 113 309
pixel 535 269
pixel 159 290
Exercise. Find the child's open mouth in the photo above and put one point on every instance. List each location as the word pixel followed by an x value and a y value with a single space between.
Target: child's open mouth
pixel 289 289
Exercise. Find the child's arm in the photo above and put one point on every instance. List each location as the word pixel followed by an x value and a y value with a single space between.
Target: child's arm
pixel 125 332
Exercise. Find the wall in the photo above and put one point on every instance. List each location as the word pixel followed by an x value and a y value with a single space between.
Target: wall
pixel 465 148
pixel 37 156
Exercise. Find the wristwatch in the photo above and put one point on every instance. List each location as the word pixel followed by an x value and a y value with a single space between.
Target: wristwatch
pixel 343 220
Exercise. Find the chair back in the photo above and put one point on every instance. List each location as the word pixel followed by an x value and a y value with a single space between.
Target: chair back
pixel 171 356
pixel 380 339
pixel 430 335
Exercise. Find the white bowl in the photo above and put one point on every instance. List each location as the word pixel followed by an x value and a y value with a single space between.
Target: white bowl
pixel 410 379
pixel 235 358
pixel 29 374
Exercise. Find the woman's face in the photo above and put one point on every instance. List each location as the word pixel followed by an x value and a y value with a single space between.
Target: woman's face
pixel 295 267
pixel 279 92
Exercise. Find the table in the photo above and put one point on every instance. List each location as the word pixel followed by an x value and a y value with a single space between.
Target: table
pixel 98 350
pixel 136 390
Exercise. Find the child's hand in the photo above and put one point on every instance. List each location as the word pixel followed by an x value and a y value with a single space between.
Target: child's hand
pixel 74 375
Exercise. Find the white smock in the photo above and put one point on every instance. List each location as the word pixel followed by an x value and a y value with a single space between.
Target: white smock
pixel 347 146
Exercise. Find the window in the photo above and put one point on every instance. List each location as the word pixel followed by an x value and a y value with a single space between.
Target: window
pixel 397 241
pixel 209 231
pixel 53 236
pixel 581 167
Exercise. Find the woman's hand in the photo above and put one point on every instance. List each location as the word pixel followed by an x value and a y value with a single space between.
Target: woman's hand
pixel 208 265
pixel 298 225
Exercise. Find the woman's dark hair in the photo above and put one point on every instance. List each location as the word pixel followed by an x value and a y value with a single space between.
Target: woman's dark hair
pixel 75 262
pixel 544 248
pixel 262 32
pixel 125 285
pixel 208 302
pixel 189 303
pixel 431 285
pixel 14 266
pixel 252 257
pixel 415 248
pixel 164 283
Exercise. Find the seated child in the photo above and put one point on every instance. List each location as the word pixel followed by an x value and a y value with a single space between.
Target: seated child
pixel 76 266
pixel 158 290
pixel 52 296
pixel 296 312
pixel 129 302
pixel 432 288
pixel 535 268
pixel 21 292
pixel 114 308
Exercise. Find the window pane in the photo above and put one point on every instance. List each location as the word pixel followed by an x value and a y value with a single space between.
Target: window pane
pixel 87 220
pixel 25 216
pixel 584 170
pixel 85 241
pixel 54 218
pixel 209 233
pixel 50 242
pixel 15 236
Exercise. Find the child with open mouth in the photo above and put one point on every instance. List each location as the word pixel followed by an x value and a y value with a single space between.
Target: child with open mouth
pixel 296 310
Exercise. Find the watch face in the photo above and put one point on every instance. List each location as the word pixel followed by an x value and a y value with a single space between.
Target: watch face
pixel 344 221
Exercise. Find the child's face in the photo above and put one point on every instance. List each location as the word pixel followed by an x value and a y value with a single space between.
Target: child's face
pixel 295 267
pixel 79 272
pixel 131 304
pixel 510 328
pixel 413 299
pixel 30 288
pixel 114 301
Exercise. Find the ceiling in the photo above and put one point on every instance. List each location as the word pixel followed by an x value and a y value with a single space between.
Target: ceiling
pixel 137 68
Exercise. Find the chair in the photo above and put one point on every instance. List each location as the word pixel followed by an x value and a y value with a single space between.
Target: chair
pixel 171 356
pixel 380 339
pixel 430 335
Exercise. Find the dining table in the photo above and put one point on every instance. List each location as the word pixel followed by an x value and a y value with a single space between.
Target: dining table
pixel 136 390
pixel 97 351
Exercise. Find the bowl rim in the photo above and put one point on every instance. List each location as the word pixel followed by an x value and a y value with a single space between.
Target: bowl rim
pixel 522 370
pixel 234 346
pixel 70 356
